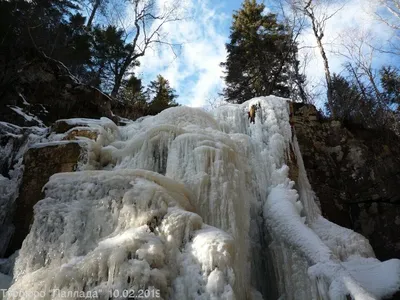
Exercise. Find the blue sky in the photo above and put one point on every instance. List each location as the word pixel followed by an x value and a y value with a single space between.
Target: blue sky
pixel 195 72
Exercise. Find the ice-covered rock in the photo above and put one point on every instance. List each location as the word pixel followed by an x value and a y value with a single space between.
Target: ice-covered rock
pixel 189 205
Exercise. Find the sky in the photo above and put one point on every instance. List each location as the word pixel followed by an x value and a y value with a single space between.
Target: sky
pixel 193 68
pixel 194 71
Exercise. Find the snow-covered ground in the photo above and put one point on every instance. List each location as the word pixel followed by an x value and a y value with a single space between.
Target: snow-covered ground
pixel 189 205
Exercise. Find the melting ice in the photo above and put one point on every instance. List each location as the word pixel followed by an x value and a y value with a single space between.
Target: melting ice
pixel 189 205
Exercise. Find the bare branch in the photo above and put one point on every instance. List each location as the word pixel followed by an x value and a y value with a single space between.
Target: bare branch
pixel 147 30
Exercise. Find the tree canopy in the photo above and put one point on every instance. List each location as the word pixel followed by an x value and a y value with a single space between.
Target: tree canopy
pixel 100 54
pixel 261 55
pixel 162 95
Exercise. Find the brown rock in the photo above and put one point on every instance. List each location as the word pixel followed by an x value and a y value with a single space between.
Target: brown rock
pixel 292 164
pixel 40 163
pixel 91 134
pixel 62 126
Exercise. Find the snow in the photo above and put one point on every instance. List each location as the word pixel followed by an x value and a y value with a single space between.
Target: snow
pixel 24 100
pixel 26 116
pixel 194 205
pixel 54 143
pixel 106 122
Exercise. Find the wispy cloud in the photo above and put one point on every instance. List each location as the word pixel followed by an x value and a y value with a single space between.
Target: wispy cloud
pixel 195 72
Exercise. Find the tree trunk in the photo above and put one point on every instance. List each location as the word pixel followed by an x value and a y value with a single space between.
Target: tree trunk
pixel 120 75
pixel 329 92
pixel 360 85
pixel 93 13
pixel 117 84
pixel 318 33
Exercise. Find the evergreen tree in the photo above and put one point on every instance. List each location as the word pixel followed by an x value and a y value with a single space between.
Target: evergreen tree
pixel 75 49
pixel 163 96
pixel 109 54
pixel 54 27
pixel 354 102
pixel 390 81
pixel 100 56
pixel 133 92
pixel 346 98
pixel 261 55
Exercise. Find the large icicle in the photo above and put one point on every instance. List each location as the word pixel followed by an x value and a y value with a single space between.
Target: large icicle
pixel 312 256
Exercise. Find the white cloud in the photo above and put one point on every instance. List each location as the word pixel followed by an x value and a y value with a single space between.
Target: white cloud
pixel 195 73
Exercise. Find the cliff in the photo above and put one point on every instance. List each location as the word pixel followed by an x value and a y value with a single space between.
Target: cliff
pixel 355 173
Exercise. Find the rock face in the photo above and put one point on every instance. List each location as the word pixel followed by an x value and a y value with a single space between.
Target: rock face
pixel 355 173
pixel 28 158
pixel 14 141
pixel 40 163
pixel 45 91
pixel 128 110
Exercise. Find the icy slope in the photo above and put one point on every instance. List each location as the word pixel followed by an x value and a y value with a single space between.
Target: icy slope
pixel 186 205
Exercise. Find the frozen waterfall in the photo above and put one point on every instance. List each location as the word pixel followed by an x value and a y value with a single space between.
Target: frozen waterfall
pixel 189 205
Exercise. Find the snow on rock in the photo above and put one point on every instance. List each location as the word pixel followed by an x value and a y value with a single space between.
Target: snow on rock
pixel 15 141
pixel 105 122
pixel 27 116
pixel 123 230
pixel 378 278
pixel 191 205
pixel 341 241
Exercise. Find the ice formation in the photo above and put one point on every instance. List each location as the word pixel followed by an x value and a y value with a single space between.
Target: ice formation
pixel 15 142
pixel 189 205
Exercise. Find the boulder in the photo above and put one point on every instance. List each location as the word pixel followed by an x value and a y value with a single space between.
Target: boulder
pixel 40 162
pixel 87 133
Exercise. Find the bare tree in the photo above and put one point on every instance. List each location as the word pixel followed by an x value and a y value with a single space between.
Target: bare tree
pixel 93 7
pixel 318 13
pixel 318 23
pixel 96 5
pixel 393 8
pixel 357 47
pixel 213 102
pixel 146 29
pixel 388 13
pixel 295 24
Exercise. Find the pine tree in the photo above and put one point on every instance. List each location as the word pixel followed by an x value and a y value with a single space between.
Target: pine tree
pixel 390 81
pixel 261 55
pixel 163 96
pixel 133 92
pixel 75 49
pixel 109 54
pixel 346 98
pixel 353 102
pixel 53 27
